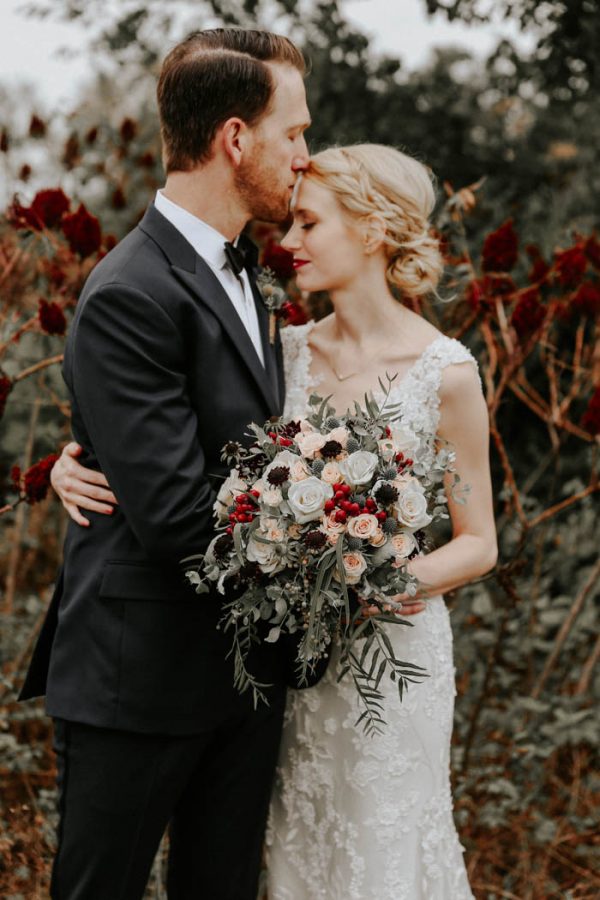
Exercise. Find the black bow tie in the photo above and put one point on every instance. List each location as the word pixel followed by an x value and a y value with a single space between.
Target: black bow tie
pixel 244 256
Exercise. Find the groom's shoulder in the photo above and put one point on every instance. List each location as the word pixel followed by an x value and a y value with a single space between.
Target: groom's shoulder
pixel 135 262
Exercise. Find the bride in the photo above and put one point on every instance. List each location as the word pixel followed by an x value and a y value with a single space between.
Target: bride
pixel 355 817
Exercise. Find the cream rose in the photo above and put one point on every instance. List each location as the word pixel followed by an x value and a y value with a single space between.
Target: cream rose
pixel 307 498
pixel 299 470
pixel 354 566
pixel 358 468
pixel 403 543
pixel 411 509
pixel 364 526
pixel 331 473
pixel 310 443
pixel 266 555
pixel 378 538
pixel 271 496
pixel 271 529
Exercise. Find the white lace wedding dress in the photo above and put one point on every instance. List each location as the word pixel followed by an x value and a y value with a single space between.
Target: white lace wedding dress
pixel 356 817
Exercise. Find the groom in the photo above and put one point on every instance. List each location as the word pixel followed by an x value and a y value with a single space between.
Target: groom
pixel 168 357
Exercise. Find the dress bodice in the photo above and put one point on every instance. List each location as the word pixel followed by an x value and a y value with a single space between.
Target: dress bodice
pixel 415 394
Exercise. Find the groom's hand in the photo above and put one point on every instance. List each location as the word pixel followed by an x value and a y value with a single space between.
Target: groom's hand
pixel 80 487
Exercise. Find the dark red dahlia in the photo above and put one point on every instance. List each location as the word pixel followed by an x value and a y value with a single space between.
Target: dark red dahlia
pixel 6 386
pixel 52 318
pixel 279 475
pixel 528 314
pixel 500 249
pixel 587 299
pixel 314 540
pixel 50 206
pixel 331 449
pixel 128 130
pixel 592 250
pixel 37 127
pixel 279 260
pixel 570 266
pixel 36 479
pixel 539 266
pixel 82 231
pixel 591 417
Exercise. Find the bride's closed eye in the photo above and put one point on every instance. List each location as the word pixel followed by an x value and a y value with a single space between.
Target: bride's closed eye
pixel 307 226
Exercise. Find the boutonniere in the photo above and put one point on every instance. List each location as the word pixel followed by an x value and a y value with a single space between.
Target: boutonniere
pixel 274 297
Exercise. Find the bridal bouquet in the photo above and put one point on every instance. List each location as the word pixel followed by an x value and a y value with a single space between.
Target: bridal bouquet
pixel 317 519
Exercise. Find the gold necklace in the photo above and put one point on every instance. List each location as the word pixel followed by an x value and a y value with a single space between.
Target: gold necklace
pixel 356 371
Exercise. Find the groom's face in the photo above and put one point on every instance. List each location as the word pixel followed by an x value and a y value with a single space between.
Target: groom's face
pixel 277 153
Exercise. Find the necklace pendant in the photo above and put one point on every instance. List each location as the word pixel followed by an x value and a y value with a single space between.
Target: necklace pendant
pixel 343 377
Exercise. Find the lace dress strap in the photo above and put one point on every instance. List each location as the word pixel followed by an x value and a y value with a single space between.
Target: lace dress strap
pixel 296 367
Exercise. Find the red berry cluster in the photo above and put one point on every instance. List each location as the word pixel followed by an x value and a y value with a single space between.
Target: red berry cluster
pixel 280 440
pixel 344 506
pixel 246 509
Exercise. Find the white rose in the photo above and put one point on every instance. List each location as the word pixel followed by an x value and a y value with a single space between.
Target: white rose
pixel 359 468
pixel 271 528
pixel 331 473
pixel 354 566
pixel 271 496
pixel 266 555
pixel 307 498
pixel 231 487
pixel 404 439
pixel 364 526
pixel 411 509
pixel 310 443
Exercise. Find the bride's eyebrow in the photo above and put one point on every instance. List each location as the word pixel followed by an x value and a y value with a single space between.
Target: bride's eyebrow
pixel 304 212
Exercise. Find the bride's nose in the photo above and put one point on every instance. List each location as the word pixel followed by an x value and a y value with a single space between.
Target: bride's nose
pixel 291 240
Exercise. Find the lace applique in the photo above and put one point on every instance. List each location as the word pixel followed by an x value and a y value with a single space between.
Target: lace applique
pixel 359 818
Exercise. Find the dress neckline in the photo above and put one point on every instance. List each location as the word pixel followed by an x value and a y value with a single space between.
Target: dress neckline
pixel 314 380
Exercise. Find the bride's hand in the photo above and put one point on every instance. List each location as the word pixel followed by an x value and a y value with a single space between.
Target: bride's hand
pixel 80 487
pixel 407 606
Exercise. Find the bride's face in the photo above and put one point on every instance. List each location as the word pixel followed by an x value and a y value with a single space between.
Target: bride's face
pixel 328 247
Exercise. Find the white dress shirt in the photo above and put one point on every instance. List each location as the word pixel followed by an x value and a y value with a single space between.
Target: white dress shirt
pixel 210 245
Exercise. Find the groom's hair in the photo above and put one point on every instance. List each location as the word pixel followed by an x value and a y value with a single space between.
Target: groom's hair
pixel 210 77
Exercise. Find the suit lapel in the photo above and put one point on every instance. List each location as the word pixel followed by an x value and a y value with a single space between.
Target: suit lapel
pixel 269 350
pixel 192 271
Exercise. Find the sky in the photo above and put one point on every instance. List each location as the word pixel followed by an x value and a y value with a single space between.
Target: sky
pixel 28 47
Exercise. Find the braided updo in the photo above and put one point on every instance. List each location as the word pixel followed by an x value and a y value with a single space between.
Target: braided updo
pixel 371 179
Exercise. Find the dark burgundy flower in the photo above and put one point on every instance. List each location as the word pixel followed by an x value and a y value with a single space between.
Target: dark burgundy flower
pixel 36 479
pixel 314 540
pixel 386 494
pixel 279 260
pixel 37 127
pixel 222 546
pixel 570 266
pixel 587 299
pixel 592 250
pixel 118 199
pixel 473 295
pixel 500 249
pixel 82 231
pixel 290 430
pixel 50 206
pixel 146 160
pixel 6 386
pixel 591 417
pixel 52 318
pixel 528 314
pixel 72 152
pixel 128 130
pixel 331 449
pixel 539 266
pixel 279 475
pixel 293 313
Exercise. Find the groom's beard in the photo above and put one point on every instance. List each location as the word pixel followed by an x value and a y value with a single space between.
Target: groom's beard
pixel 263 189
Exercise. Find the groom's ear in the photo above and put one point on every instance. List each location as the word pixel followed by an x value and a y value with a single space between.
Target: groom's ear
pixel 233 137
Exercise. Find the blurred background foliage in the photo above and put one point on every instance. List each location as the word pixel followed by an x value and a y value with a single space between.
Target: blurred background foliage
pixel 514 141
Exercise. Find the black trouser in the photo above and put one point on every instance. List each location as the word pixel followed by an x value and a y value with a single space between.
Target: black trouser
pixel 118 791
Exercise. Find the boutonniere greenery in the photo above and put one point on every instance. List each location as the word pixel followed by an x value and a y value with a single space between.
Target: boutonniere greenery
pixel 274 297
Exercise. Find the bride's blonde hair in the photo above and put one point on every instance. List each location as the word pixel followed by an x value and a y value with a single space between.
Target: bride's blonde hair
pixel 371 179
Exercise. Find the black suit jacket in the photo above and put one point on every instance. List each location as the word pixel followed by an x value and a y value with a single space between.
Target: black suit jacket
pixel 161 373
